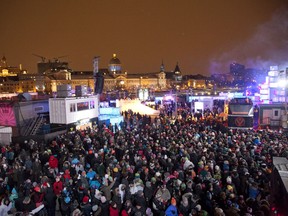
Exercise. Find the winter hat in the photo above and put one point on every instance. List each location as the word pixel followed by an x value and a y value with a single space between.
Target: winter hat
pixel 185 201
pixel 229 188
pixel 67 199
pixel 149 212
pixel 94 208
pixel 37 189
pixel 148 184
pixel 85 199
pixel 45 184
pixel 228 180
pixel 219 211
pixel 249 210
pixel 26 200
pixel 198 208
pixel 14 191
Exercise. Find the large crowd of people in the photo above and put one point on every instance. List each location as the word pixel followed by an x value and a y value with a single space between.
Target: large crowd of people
pixel 163 165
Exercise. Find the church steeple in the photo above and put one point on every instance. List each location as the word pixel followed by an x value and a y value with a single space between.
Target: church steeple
pixel 3 61
pixel 177 70
pixel 162 67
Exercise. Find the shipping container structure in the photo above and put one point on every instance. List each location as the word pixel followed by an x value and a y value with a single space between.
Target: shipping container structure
pixel 272 115
pixel 73 110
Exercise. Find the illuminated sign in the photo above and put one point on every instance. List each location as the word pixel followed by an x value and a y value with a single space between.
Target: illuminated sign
pixel 7 117
pixel 240 121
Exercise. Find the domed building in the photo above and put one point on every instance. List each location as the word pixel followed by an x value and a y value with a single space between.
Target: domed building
pixel 117 79
pixel 114 66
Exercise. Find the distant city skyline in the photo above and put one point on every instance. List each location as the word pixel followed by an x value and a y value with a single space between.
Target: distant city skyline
pixel 203 37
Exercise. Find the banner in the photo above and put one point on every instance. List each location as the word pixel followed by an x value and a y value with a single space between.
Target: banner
pixel 240 121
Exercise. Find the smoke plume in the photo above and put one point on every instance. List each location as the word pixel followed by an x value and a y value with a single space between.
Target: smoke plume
pixel 268 46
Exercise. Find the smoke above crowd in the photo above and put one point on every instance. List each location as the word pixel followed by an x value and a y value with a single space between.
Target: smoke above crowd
pixel 266 47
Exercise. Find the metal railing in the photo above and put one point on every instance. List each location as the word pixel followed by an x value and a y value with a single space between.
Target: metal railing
pixel 37 125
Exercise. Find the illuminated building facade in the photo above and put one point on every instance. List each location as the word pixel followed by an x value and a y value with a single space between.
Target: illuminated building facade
pixel 115 78
pixel 15 79
pixel 52 74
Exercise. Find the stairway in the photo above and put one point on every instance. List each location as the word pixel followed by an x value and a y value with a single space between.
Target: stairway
pixel 37 125
pixel 30 126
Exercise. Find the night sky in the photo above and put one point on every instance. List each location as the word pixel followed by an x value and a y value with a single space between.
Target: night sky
pixel 204 36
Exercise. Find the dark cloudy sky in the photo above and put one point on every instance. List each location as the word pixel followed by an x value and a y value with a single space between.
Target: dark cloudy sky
pixel 204 36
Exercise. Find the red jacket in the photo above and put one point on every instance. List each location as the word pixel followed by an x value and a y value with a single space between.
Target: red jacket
pixel 124 213
pixel 67 176
pixel 53 162
pixel 57 187
pixel 113 211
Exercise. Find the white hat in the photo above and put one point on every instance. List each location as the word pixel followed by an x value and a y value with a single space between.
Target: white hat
pixel 228 180
pixel 94 208
pixel 198 208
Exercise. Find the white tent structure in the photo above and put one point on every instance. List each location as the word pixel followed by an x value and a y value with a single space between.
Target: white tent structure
pixel 136 106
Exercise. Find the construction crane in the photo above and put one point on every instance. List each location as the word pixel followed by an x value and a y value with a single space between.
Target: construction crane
pixel 56 59
pixel 42 57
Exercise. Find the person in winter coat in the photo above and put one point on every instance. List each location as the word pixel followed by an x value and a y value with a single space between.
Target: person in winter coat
pixel 117 198
pixel 113 211
pixel 28 205
pixel 104 206
pixel 158 205
pixel 253 190
pixel 106 189
pixel 184 207
pixel 65 203
pixel 139 210
pixel 66 176
pixel 127 210
pixel 57 186
pixel 5 206
pixel 37 196
pixel 53 162
pixel 140 199
pixel 36 170
pixel 86 206
pixel 148 192
pixel 50 201
pixel 13 197
pixel 172 209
